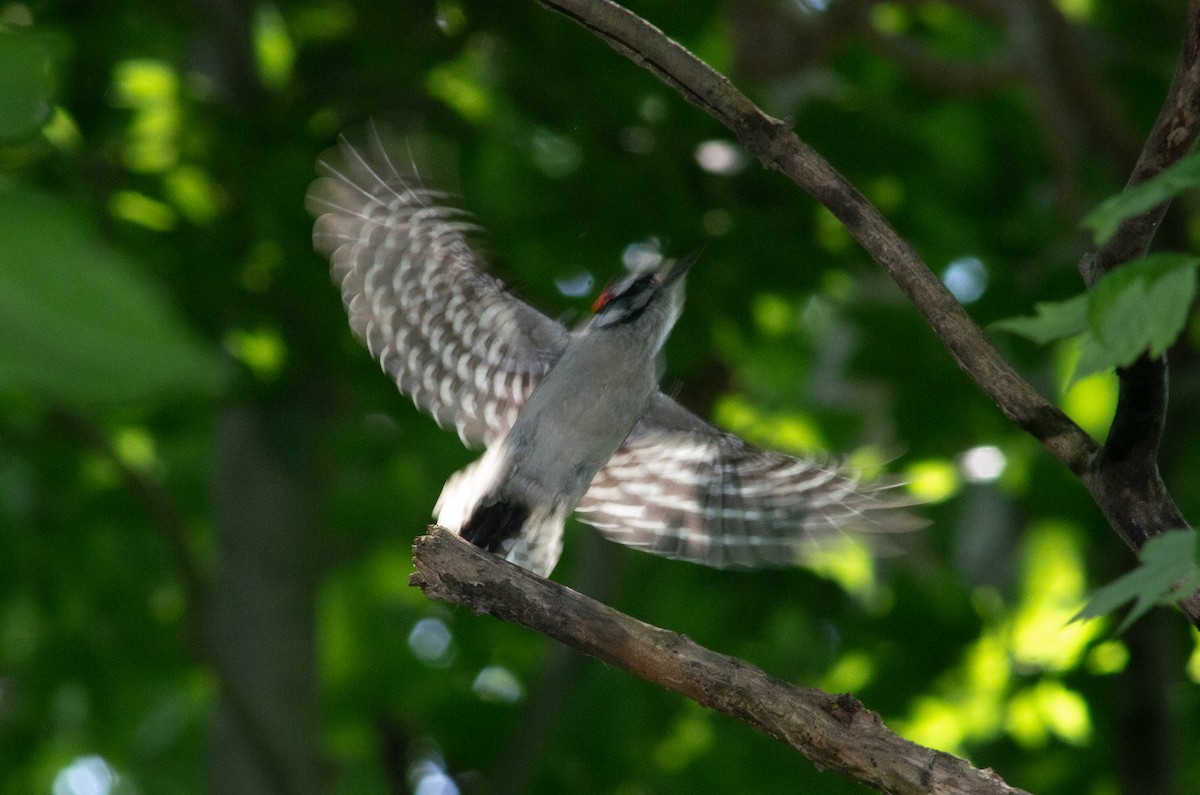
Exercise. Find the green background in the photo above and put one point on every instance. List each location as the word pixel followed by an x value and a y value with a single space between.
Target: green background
pixel 208 490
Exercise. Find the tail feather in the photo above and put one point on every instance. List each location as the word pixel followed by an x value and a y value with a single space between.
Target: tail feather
pixel 494 524
pixel 477 505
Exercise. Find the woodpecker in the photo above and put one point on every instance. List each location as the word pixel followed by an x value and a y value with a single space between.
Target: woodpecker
pixel 572 421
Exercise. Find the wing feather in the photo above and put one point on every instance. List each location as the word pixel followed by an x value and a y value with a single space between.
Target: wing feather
pixel 453 337
pixel 680 488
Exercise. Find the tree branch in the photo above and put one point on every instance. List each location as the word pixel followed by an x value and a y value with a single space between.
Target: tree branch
pixel 1172 136
pixel 1125 479
pixel 834 731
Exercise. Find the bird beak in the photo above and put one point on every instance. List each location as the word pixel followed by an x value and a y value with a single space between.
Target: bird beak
pixel 674 271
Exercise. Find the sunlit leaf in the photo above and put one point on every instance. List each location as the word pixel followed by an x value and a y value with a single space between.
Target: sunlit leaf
pixel 77 323
pixel 1168 567
pixel 1104 220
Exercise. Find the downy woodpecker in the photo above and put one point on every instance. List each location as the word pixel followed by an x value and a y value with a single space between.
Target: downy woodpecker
pixel 573 421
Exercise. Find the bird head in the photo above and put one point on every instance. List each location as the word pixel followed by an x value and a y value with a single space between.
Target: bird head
pixel 649 299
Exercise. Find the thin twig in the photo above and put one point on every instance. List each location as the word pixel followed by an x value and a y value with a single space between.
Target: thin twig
pixel 834 731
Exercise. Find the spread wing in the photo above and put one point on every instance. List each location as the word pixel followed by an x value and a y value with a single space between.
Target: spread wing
pixel 452 337
pixel 680 488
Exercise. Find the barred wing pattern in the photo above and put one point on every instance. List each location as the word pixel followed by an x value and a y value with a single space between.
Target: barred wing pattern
pixel 683 489
pixel 452 337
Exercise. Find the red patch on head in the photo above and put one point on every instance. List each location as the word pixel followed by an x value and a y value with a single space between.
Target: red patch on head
pixel 605 296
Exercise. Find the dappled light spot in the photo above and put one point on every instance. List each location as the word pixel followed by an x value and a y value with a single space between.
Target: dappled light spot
pixel 1193 663
pixel 576 284
pixel 934 722
pixel 932 480
pixel 791 431
pixel 150 89
pixel 773 315
pixel 427 775
pixel 642 256
pixel 431 642
pixel 1090 401
pixel 970 703
pixel 142 82
pixel 85 775
pixel 889 18
pixel 850 673
pixel 1110 657
pixel 692 737
pixel 497 684
pixel 1048 709
pixel 869 461
pixel 193 193
pixel 966 278
pixel 830 234
pixel 273 49
pixel 262 350
pixel 135 447
pixel 720 157
pixel 63 131
pixel 138 208
pixel 846 560
pixel 1080 10
pixel 450 17
pixel 982 464
pixel 462 83
pixel 1052 592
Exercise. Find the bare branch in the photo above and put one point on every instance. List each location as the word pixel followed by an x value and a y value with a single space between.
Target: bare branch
pixel 834 731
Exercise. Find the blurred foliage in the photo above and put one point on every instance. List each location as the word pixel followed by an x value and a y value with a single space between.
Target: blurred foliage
pixel 156 275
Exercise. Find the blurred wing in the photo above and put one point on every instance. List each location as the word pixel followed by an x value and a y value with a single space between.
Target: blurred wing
pixel 452 337
pixel 680 488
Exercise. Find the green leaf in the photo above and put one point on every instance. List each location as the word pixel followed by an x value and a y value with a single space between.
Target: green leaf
pixel 1054 320
pixel 1105 219
pixel 77 321
pixel 1167 571
pixel 1140 307
pixel 1169 299
pixel 28 63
